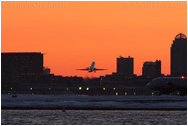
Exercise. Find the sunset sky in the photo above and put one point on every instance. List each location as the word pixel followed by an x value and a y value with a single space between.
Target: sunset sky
pixel 74 34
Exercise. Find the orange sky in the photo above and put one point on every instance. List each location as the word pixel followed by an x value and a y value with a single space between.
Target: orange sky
pixel 73 34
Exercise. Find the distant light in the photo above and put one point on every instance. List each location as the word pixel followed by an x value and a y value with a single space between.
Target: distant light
pixel 182 77
pixel 11 88
pixel 104 89
pixel 67 89
pixel 80 88
pixel 116 93
pixel 114 88
pixel 101 78
pixel 125 93
pixel 152 93
pixel 87 88
pixel 134 93
pixel 49 88
pixel 31 88
pixel 178 93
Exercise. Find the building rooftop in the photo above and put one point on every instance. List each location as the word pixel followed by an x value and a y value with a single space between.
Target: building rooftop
pixel 181 36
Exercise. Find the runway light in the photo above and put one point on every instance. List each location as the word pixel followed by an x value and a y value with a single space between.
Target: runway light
pixel 134 93
pixel 80 88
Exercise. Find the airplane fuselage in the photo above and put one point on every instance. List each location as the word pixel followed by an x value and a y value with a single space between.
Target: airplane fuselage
pixel 91 68
pixel 166 85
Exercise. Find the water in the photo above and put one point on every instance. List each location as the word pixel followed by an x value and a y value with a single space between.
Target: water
pixel 93 117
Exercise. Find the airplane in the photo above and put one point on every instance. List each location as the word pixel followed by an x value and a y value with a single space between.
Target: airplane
pixel 166 85
pixel 91 68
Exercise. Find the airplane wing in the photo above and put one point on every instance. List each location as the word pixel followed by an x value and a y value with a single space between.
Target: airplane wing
pixel 81 69
pixel 99 69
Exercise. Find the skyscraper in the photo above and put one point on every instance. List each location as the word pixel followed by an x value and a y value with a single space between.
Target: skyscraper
pixel 125 66
pixel 179 56
pixel 22 63
pixel 20 67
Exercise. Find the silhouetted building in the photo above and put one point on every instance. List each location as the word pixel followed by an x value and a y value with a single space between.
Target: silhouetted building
pixel 151 69
pixel 22 63
pixel 179 56
pixel 20 67
pixel 125 66
pixel 46 71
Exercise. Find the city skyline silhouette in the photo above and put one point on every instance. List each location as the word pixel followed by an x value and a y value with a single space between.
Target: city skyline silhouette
pixel 74 34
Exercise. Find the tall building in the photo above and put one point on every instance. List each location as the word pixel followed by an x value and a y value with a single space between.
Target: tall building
pixel 151 69
pixel 125 66
pixel 179 56
pixel 21 67
pixel 22 63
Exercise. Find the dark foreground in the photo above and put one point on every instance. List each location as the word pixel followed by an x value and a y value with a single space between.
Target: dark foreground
pixel 93 117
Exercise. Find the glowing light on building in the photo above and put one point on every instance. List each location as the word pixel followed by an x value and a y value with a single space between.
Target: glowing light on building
pixel 87 89
pixel 182 77
pixel 114 88
pixel 116 93
pixel 31 88
pixel 80 88
pixel 104 89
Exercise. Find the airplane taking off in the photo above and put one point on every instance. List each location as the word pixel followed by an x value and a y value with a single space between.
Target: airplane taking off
pixel 166 85
pixel 91 68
